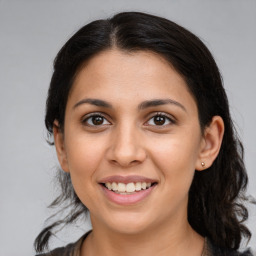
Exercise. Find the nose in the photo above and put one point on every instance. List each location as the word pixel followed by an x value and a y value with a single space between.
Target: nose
pixel 126 147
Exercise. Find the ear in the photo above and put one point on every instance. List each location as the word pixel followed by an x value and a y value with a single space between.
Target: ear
pixel 60 146
pixel 211 143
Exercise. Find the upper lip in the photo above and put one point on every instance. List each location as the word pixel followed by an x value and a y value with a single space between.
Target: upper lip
pixel 126 179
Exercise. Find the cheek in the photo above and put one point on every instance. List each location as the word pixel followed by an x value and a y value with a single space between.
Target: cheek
pixel 84 155
pixel 176 156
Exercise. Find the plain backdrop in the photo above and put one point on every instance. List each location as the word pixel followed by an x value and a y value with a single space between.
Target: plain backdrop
pixel 31 33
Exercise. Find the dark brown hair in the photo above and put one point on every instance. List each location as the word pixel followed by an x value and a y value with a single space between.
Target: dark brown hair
pixel 216 196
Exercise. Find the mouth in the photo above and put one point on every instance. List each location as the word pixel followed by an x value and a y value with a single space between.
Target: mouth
pixel 129 188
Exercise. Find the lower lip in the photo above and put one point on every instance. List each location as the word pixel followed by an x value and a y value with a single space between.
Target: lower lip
pixel 127 199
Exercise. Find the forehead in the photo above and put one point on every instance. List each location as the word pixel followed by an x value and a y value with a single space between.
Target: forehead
pixel 134 76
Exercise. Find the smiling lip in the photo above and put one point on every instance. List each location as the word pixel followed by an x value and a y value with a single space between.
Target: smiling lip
pixel 130 198
pixel 127 179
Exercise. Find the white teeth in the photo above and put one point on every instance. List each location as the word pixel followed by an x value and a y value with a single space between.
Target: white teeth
pixel 114 186
pixel 121 187
pixel 138 186
pixel 108 185
pixel 127 188
pixel 130 187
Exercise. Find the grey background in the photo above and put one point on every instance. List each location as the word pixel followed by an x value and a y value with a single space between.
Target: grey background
pixel 31 33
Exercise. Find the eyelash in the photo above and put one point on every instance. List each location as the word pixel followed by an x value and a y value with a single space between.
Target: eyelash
pixel 89 116
pixel 154 115
pixel 163 115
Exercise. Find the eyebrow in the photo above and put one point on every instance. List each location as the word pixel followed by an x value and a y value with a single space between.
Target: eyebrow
pixel 95 102
pixel 142 105
pixel 159 102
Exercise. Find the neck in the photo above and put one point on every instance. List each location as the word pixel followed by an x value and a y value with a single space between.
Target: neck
pixel 180 239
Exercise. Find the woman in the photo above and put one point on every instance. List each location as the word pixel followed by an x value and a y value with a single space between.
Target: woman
pixel 146 143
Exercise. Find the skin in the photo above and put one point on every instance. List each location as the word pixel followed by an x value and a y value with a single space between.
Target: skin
pixel 131 142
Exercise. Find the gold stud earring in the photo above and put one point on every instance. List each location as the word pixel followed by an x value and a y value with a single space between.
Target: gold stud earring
pixel 203 164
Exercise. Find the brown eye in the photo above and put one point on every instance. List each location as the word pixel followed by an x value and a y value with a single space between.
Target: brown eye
pixel 95 120
pixel 159 120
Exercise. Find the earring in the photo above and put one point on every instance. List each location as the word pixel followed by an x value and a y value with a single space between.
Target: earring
pixel 203 164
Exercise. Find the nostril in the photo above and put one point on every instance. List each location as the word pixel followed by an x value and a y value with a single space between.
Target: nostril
pixel 126 153
pixel 124 163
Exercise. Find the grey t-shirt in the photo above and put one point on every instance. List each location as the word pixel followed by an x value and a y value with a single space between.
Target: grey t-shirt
pixel 210 249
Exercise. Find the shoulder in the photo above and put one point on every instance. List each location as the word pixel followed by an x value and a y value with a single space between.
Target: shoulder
pixel 56 252
pixel 62 251
pixel 215 250
pixel 72 249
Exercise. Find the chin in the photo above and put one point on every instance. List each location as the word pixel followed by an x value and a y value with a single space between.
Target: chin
pixel 129 228
pixel 130 223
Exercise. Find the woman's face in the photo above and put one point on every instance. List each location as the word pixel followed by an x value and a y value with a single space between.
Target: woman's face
pixel 131 125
